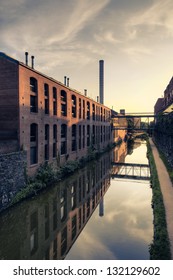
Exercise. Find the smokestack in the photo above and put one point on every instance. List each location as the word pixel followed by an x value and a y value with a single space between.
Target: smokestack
pixel 65 80
pixel 68 82
pixel 97 98
pixel 32 62
pixel 101 81
pixel 101 208
pixel 85 92
pixel 26 58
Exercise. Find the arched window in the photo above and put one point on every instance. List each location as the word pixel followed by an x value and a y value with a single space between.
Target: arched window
pixel 46 98
pixel 88 110
pixel 54 101
pixel 74 107
pixel 63 103
pixel 93 112
pixel 33 95
pixel 101 114
pixel 80 108
pixel 33 143
pixel 84 109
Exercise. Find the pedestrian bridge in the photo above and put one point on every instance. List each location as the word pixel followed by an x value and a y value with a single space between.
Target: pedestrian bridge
pixel 133 171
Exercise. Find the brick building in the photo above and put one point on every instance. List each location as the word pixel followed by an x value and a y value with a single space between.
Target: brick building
pixel 165 104
pixel 46 118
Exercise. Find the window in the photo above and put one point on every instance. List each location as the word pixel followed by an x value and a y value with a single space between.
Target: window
pixel 54 140
pixel 73 144
pixel 63 241
pixel 73 106
pixel 46 146
pixel 93 112
pixel 74 227
pixel 63 103
pixel 83 136
pixel 80 109
pixel 88 135
pixel 101 134
pixel 33 232
pixel 101 114
pixel 63 139
pixel 54 101
pixel 47 223
pixel 93 135
pixel 63 201
pixel 46 98
pixel 80 136
pixel 33 95
pixel 104 133
pixel 84 109
pixel 88 110
pixel 73 195
pixel 33 143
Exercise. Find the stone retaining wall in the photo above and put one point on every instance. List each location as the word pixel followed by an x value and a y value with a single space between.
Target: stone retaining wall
pixel 12 176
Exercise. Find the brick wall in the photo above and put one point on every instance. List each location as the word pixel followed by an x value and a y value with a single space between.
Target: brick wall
pixel 9 109
pixel 41 119
pixel 12 176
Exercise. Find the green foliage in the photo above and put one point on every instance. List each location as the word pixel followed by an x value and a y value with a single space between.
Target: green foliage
pixel 47 175
pixel 160 248
pixel 69 168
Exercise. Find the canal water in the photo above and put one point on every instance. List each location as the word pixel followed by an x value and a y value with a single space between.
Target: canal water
pixel 101 212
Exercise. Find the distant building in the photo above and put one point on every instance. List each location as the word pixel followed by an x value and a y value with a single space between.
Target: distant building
pixel 158 107
pixel 165 104
pixel 119 126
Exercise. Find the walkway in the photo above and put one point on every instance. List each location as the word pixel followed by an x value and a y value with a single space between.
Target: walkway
pixel 167 191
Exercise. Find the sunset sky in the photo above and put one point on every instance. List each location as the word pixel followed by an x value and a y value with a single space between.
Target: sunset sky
pixel 69 37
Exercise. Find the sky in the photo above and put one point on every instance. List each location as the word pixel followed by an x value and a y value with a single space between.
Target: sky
pixel 69 37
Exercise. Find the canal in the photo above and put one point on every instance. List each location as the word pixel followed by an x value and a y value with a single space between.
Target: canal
pixel 101 212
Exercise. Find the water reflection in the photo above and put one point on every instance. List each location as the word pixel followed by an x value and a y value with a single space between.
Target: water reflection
pixel 47 226
pixel 80 219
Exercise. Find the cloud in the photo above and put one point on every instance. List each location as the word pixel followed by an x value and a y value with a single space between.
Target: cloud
pixel 73 35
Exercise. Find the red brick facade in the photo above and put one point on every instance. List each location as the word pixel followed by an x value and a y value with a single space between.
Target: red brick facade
pixel 51 121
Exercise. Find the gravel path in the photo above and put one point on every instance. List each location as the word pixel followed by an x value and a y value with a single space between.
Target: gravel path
pixel 167 191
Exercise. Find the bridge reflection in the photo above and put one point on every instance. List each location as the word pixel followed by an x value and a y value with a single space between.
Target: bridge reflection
pixel 130 171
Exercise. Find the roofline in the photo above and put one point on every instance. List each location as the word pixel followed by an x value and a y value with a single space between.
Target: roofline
pixel 4 55
pixel 47 77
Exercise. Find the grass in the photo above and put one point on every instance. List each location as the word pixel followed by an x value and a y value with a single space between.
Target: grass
pixel 160 247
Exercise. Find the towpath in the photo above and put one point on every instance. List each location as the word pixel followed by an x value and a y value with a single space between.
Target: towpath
pixel 167 191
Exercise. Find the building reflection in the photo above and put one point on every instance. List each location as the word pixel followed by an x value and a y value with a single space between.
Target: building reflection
pixel 46 227
pixel 119 155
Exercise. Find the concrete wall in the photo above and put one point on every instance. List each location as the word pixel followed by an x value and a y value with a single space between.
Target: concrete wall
pixel 12 176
